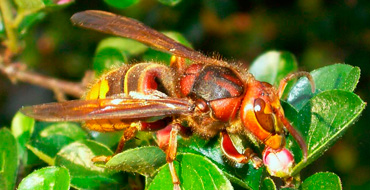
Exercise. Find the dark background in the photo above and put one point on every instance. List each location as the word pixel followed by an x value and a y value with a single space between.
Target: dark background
pixel 318 32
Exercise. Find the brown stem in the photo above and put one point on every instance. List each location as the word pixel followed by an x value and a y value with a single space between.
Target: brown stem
pixel 16 73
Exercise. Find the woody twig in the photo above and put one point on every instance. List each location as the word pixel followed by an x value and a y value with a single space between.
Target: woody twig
pixel 17 72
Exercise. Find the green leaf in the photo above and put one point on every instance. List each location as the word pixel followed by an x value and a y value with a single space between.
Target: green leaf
pixel 157 56
pixel 288 188
pixel 22 128
pixel 121 4
pixel 108 58
pixel 170 2
pixel 142 160
pixel 30 5
pixel 273 66
pixel 338 76
pixel 152 54
pixel 46 178
pixel 242 174
pixel 32 11
pixel 268 184
pixel 52 138
pixel 60 3
pixel 110 139
pixel 28 21
pixel 178 37
pixel 8 159
pixel 112 52
pixel 322 121
pixel 123 45
pixel 194 172
pixel 322 180
pixel 84 174
pixel 290 112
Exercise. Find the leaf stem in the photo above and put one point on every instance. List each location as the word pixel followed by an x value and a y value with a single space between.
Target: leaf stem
pixel 6 12
pixel 18 19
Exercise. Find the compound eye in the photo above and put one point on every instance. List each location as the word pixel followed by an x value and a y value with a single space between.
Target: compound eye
pixel 265 120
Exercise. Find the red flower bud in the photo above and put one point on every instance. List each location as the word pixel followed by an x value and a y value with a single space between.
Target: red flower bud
pixel 279 163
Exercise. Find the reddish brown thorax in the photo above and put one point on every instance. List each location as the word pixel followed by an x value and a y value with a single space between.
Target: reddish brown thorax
pixel 217 87
pixel 219 90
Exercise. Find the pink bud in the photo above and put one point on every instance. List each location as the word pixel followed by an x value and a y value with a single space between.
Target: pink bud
pixel 60 2
pixel 279 163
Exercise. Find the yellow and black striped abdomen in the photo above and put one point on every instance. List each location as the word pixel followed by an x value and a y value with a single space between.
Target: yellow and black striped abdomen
pixel 110 84
pixel 142 78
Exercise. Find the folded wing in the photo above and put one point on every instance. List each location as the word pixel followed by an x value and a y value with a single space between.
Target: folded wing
pixel 80 110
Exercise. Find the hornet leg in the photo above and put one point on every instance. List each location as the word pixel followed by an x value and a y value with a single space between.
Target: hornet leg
pixel 128 134
pixel 232 153
pixel 167 141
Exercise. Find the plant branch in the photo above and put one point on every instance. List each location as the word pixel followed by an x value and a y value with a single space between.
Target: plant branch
pixel 7 15
pixel 16 72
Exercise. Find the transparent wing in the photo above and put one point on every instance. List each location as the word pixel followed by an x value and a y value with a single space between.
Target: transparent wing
pixel 126 27
pixel 80 110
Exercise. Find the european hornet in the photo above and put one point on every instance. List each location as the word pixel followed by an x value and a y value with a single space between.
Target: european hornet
pixel 212 96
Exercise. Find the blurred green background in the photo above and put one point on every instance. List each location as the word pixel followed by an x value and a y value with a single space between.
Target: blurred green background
pixel 318 32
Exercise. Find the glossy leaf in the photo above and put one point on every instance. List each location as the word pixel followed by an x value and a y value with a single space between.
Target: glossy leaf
pixel 322 121
pixel 110 139
pixel 123 45
pixel 142 160
pixel 52 138
pixel 289 111
pixel 84 174
pixel 152 54
pixel 322 180
pixel 30 5
pixel 338 76
pixel 170 2
pixel 268 184
pixel 108 58
pixel 48 178
pixel 8 159
pixel 242 174
pixel 178 37
pixel 22 128
pixel 112 52
pixel 121 3
pixel 194 171
pixel 273 66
